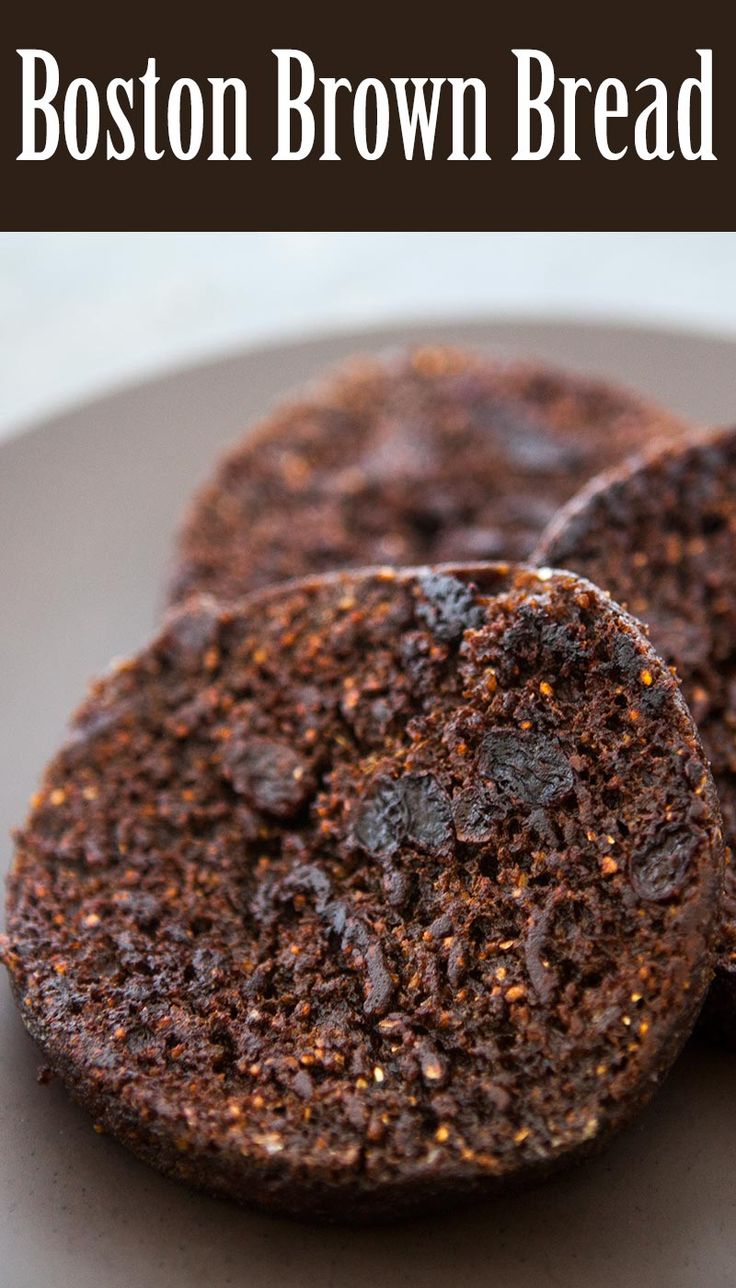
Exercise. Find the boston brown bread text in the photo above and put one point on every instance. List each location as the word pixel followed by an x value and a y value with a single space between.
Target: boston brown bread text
pixel 330 117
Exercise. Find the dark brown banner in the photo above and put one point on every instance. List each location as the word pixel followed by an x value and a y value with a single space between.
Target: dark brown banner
pixel 387 116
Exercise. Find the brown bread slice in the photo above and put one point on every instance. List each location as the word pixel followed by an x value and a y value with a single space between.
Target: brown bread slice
pixel 660 535
pixel 431 456
pixel 374 891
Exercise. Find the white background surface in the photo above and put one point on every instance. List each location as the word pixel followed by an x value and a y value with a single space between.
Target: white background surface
pixel 83 312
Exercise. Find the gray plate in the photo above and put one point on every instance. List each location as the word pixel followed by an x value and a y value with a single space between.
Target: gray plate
pixel 88 503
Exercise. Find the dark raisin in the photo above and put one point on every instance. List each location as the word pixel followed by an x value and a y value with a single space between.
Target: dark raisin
pixel 457 963
pixel 530 767
pixel 382 818
pixel 441 926
pixel 475 813
pixel 448 607
pixel 429 816
pixel 626 657
pixel 273 778
pixel 659 870
pixel 380 985
pixel 397 886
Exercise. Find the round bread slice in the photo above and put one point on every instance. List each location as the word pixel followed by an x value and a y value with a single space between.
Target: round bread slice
pixel 434 456
pixel 660 535
pixel 374 891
